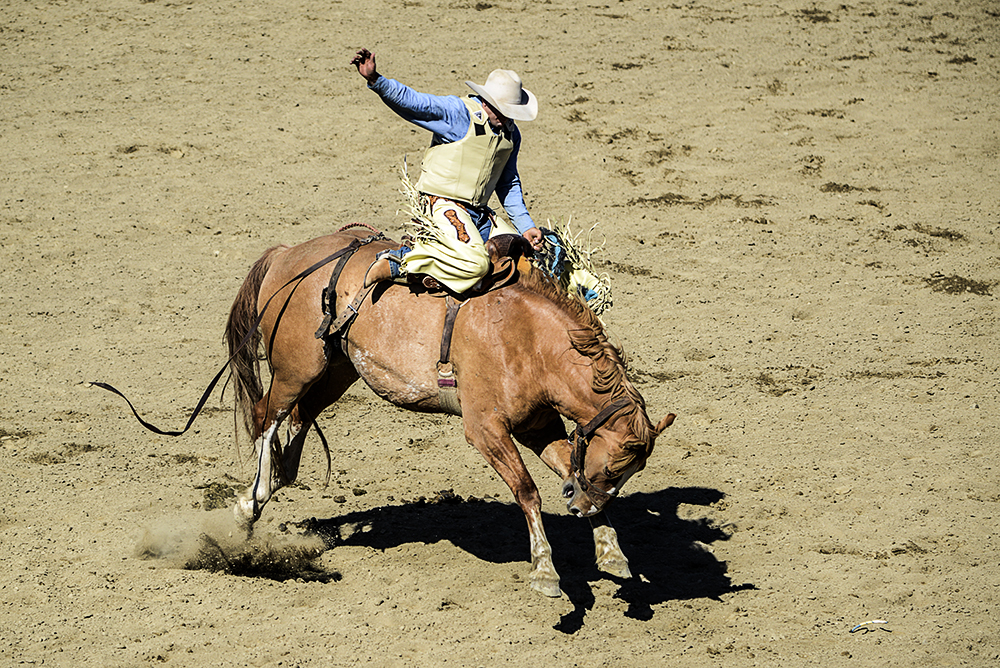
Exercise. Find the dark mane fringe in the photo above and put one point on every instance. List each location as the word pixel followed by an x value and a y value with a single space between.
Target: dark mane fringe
pixel 608 361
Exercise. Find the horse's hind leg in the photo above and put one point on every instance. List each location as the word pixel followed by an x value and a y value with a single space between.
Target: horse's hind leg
pixel 610 558
pixel 339 376
pixel 277 466
pixel 267 446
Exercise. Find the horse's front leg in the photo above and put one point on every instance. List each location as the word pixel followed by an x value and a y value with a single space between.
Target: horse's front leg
pixel 546 437
pixel 610 558
pixel 500 451
pixel 543 577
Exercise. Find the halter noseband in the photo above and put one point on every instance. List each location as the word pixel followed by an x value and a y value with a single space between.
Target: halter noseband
pixel 581 440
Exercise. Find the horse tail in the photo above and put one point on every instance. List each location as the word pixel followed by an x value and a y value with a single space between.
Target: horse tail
pixel 244 344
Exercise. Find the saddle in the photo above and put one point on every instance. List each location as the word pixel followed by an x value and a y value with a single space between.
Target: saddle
pixel 508 257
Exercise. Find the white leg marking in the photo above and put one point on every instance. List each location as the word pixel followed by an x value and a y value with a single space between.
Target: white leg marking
pixel 544 577
pixel 250 503
pixel 610 558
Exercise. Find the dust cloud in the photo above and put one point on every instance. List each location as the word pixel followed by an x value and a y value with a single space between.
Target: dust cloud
pixel 212 541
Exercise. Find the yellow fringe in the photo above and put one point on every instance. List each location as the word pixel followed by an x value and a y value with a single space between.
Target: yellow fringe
pixel 579 251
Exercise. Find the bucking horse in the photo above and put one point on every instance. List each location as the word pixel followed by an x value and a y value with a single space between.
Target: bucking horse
pixel 512 361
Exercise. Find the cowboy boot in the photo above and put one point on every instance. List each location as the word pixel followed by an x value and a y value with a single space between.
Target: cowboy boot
pixel 386 267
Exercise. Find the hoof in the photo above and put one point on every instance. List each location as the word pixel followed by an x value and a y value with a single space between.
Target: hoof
pixel 243 520
pixel 617 567
pixel 548 588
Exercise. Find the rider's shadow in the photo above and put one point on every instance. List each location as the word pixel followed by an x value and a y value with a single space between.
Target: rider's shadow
pixel 670 557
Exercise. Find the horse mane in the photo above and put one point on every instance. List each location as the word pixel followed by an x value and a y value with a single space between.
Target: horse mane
pixel 607 361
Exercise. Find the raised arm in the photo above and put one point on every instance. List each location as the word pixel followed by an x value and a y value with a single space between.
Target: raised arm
pixel 364 60
pixel 446 116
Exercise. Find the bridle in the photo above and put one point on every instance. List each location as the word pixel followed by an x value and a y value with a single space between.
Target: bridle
pixel 580 442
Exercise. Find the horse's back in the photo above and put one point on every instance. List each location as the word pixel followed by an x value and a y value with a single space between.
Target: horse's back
pixel 394 343
pixel 295 306
pixel 288 261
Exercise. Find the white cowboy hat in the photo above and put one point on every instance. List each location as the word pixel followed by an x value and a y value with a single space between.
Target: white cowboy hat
pixel 503 90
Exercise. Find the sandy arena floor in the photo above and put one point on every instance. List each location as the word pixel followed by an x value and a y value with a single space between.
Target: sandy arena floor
pixel 800 203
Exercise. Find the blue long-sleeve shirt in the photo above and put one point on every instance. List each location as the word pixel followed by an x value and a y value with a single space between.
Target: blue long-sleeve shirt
pixel 448 118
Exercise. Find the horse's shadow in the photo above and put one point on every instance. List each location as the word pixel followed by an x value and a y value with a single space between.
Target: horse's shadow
pixel 669 557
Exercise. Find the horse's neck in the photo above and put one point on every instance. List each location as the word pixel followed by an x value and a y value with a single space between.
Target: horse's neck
pixel 563 372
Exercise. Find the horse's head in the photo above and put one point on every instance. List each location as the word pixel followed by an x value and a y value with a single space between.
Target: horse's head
pixel 615 443
pixel 607 451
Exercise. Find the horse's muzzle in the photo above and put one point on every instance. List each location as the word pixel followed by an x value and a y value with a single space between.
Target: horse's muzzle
pixel 578 502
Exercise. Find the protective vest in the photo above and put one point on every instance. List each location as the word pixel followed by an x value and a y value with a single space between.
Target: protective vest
pixel 467 170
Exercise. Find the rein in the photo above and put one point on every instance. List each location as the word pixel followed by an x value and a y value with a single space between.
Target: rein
pixel 581 440
pixel 347 250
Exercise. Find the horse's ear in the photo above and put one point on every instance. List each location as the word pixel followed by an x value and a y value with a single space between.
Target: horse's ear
pixel 664 423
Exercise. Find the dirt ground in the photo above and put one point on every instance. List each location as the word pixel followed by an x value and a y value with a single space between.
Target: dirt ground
pixel 800 204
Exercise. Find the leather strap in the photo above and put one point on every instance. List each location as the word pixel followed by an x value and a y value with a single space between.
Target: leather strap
pixel 297 280
pixel 449 328
pixel 347 316
pixel 330 292
pixel 602 417
pixel 447 383
pixel 581 436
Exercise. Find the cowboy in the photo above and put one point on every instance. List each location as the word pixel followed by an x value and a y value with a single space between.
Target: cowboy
pixel 473 153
